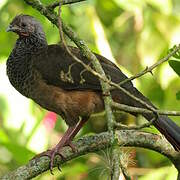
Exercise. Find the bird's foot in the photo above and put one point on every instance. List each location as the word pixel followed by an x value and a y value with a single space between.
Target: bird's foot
pixel 57 151
pixel 53 152
pixel 47 153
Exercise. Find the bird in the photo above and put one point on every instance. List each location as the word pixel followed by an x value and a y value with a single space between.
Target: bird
pixel 49 76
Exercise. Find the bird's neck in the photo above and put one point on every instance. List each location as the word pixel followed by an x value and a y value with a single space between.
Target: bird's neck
pixel 25 47
pixel 30 45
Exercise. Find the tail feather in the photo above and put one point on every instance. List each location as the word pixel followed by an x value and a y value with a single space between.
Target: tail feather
pixel 169 129
pixel 164 124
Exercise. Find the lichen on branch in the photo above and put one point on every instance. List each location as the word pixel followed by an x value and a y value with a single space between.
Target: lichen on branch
pixel 93 143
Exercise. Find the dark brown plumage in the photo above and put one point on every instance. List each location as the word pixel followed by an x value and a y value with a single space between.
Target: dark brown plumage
pixel 40 71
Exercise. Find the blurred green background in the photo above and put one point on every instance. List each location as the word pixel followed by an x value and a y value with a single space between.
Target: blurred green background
pixel 133 34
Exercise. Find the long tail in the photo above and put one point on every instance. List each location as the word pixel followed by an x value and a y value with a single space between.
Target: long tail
pixel 164 124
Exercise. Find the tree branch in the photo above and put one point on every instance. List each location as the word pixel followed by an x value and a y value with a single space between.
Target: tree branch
pixel 132 109
pixel 93 143
pixel 149 69
pixel 115 170
pixel 145 125
pixel 63 2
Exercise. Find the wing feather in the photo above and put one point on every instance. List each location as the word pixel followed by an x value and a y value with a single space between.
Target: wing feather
pixel 58 68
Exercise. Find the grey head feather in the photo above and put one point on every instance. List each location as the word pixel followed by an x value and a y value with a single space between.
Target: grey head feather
pixel 24 22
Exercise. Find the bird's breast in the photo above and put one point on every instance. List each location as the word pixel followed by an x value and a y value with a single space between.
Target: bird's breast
pixel 20 74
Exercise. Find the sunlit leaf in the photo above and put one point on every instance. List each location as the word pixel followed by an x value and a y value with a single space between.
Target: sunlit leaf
pixel 175 65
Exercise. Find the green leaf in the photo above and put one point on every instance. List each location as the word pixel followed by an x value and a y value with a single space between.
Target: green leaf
pixel 20 154
pixel 175 65
pixel 178 95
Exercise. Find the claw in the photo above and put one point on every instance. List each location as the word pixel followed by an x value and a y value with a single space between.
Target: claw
pixel 52 161
pixel 51 170
pixel 58 166
pixel 52 153
pixel 45 153
pixel 72 146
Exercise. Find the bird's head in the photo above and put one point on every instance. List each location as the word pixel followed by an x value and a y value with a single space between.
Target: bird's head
pixel 26 26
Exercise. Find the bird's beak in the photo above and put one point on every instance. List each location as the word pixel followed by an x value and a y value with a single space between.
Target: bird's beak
pixel 12 28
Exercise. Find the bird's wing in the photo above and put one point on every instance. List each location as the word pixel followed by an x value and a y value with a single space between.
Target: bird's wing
pixel 58 68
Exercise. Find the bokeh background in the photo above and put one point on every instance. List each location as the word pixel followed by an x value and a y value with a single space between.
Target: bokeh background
pixel 133 34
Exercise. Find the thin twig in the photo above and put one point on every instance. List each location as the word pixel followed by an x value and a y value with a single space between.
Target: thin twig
pixel 135 127
pixel 63 2
pixel 132 109
pixel 149 69
pixel 63 42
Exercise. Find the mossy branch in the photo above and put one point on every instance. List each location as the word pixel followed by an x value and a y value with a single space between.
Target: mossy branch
pixel 93 143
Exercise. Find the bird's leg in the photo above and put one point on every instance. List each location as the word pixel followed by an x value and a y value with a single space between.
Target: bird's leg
pixel 66 141
pixel 69 135
pixel 61 143
pixel 75 131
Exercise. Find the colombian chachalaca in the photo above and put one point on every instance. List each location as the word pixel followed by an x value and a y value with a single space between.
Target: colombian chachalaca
pixel 38 71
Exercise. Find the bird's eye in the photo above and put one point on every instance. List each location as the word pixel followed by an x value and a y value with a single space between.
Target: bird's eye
pixel 23 25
